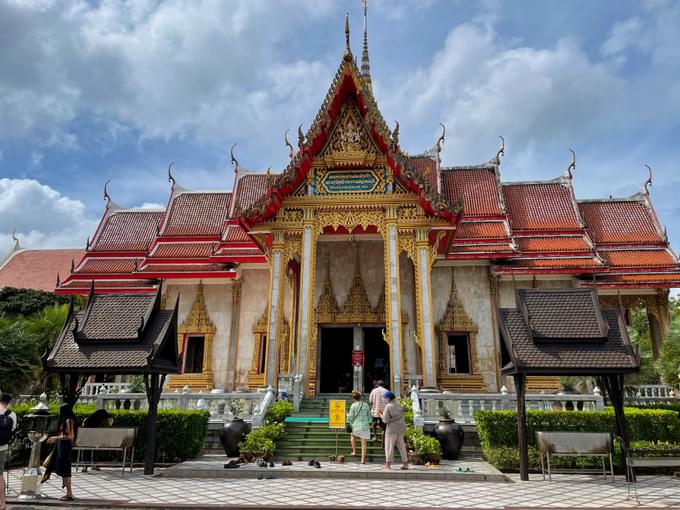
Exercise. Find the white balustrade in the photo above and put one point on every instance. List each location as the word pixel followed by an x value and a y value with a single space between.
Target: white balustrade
pixel 462 406
pixel 648 393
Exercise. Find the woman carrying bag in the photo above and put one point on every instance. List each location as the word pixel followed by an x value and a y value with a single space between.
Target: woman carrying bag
pixel 359 420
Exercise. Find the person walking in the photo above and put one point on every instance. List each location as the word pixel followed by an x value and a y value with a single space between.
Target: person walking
pixel 66 436
pixel 377 401
pixel 393 416
pixel 360 420
pixel 8 424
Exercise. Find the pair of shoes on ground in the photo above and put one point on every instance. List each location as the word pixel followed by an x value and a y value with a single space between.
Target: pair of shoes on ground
pixel 286 463
pixel 461 469
pixel 403 467
pixel 232 464
pixel 314 463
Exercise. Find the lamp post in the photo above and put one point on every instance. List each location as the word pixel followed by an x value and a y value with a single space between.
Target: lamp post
pixel 40 420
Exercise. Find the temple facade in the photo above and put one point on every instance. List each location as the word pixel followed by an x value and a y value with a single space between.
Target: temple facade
pixel 359 261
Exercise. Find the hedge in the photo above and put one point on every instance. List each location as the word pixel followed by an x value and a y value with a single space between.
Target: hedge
pixel 180 433
pixel 497 432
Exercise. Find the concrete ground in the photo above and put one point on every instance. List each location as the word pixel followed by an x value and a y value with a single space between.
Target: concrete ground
pixel 109 489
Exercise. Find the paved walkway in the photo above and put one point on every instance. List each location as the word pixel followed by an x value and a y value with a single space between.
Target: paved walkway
pixel 110 489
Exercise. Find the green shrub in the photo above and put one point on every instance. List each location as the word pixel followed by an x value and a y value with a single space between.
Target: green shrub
pixel 421 443
pixel 261 442
pixel 278 411
pixel 497 432
pixel 407 406
pixel 180 433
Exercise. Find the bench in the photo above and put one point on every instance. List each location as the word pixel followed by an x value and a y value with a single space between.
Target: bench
pixel 634 461
pixel 575 444
pixel 106 439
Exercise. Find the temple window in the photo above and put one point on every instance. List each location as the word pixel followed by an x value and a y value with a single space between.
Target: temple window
pixel 193 355
pixel 458 353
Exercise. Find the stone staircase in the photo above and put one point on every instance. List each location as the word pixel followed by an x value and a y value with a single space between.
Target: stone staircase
pixel 308 437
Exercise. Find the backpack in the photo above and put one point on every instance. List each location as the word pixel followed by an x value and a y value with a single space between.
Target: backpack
pixel 6 426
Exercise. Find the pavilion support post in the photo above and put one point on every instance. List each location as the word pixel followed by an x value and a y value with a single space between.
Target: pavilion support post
pixel 153 384
pixel 71 386
pixel 393 298
pixel 277 280
pixel 613 385
pixel 520 387
pixel 424 318
pixel 305 322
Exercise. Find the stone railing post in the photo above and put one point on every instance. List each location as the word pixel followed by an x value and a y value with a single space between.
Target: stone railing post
pixel 261 410
pixel 599 399
pixel 184 398
pixel 297 396
pixel 418 419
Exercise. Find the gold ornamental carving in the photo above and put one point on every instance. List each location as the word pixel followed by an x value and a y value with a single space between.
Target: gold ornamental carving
pixel 350 143
pixel 350 218
pixel 407 244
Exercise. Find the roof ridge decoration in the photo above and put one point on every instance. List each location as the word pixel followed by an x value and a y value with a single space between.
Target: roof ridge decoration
pixel 572 165
pixel 648 182
pixel 171 179
pixel 291 152
pixel 365 64
pixel 13 250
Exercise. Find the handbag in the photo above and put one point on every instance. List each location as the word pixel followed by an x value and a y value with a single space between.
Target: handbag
pixel 348 427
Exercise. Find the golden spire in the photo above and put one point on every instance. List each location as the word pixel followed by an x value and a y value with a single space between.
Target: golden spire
pixel 348 52
pixel 365 65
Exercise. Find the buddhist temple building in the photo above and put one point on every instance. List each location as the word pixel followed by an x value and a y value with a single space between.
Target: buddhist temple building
pixel 359 261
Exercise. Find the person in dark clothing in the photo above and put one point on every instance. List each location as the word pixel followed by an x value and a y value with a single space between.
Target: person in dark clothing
pixel 99 418
pixel 63 441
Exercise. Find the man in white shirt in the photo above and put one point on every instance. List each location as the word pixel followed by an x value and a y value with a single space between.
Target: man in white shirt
pixel 8 424
pixel 378 401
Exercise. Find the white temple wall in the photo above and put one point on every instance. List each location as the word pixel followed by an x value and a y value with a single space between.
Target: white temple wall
pixel 472 285
pixel 218 301
pixel 506 288
pixel 343 257
pixel 408 310
pixel 254 302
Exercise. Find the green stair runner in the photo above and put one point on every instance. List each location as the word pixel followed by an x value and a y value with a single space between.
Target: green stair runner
pixel 307 435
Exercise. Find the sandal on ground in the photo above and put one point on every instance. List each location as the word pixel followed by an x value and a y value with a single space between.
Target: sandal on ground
pixel 387 466
pixel 404 466
pixel 66 498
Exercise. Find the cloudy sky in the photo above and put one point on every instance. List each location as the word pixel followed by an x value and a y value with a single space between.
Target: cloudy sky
pixel 97 90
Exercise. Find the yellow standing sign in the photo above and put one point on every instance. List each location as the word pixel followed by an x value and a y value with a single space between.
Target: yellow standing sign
pixel 336 414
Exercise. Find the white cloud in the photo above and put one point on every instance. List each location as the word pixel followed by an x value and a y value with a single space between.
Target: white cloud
pixel 42 217
pixel 151 205
pixel 172 69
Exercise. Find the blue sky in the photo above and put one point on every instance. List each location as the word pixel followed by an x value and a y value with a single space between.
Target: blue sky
pixel 91 91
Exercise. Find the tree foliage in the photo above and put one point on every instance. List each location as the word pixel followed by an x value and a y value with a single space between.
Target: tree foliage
pixel 14 302
pixel 669 364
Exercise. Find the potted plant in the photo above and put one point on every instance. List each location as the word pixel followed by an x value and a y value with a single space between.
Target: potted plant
pixel 258 444
pixel 428 448
pixel 450 435
pixel 413 457
pixel 234 430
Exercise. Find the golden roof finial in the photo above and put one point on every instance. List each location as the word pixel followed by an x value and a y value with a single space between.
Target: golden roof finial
pixel 171 179
pixel 348 51
pixel 572 165
pixel 365 64
pixel 648 182
pixel 500 152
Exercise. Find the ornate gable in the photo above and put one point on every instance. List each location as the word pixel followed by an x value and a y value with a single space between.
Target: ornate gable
pixel 350 143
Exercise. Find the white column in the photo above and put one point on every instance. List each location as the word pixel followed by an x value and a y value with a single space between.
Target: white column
pixel 392 301
pixel 424 303
pixel 275 308
pixel 306 306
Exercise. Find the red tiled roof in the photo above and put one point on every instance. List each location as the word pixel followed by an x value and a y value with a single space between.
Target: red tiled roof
pixel 552 244
pixel 236 234
pixel 182 250
pixel 618 221
pixel 481 230
pixel 555 262
pixel 239 252
pixel 37 269
pixel 637 258
pixel 426 166
pixel 540 206
pixel 128 231
pixel 103 284
pixel 182 268
pixel 249 188
pixel 193 214
pixel 476 187
pixel 118 265
pixel 642 278
pixel 480 248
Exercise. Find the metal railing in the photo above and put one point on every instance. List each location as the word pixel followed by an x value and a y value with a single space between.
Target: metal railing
pixel 431 406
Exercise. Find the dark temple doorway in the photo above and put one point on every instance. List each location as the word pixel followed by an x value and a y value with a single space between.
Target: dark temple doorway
pixel 335 360
pixel 376 358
